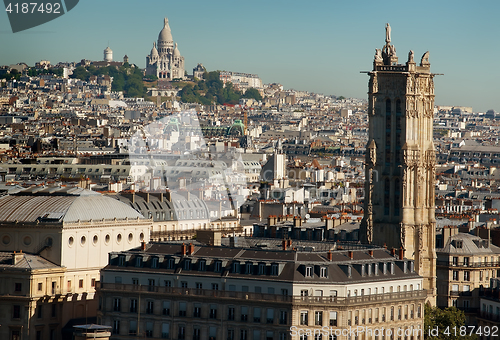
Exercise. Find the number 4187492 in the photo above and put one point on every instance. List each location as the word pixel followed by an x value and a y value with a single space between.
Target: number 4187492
pixel 33 7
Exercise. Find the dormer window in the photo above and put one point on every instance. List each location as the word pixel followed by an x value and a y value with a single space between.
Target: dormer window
pixel 248 268
pixel 262 268
pixel 274 269
pixel 202 265
pixel 458 244
pixel 138 261
pixel 218 266
pixel 154 262
pixel 121 260
pixel 323 272
pixel 187 264
pixel 309 271
pixel 170 264
pixel 236 267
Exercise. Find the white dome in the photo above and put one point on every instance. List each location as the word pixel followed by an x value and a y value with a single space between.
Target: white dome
pixel 165 34
pixel 154 51
pixel 176 51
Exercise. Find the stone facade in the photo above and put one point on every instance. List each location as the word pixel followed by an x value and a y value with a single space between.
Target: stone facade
pixel 165 60
pixel 400 160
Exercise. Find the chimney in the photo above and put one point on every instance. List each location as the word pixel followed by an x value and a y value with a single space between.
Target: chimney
pixel 17 257
pixel 297 221
pixel 143 246
pixel 393 251
pixel 284 244
pixel 289 243
pixel 191 249
pixel 350 253
pixel 370 252
pixel 401 253
pixel 183 249
pixel 330 256
pixel 385 246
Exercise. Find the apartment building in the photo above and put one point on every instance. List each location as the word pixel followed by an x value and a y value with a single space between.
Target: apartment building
pixel 194 291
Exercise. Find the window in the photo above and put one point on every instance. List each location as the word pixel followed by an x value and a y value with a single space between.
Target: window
pixel 150 307
pixel 244 314
pixel 16 312
pixel 80 283
pixel 309 271
pixel 18 286
pixel 303 318
pixel 304 292
pixel 333 318
pixel 168 283
pixel 151 285
pixel 322 272
pixel 187 264
pixel 318 318
pixel 199 285
pixel 212 333
pixel 230 313
pixel 215 286
pixel 283 317
pixel 133 305
pixel 40 286
pixel 455 275
pixel 284 292
pixel 256 314
pixel 197 311
pixel 196 334
pixel 116 326
pixel 455 261
pixel 270 316
pixel 184 284
pixel 466 275
pixel 269 335
pixel 182 309
pixel 154 262
pixel 213 312
pixel 166 308
pixel 117 304
pixel 39 310
pixel 54 310
pixel 165 330
pixel 149 329
pixel 270 290
pixel 243 334
pixel 202 265
pixel 466 260
pixel 181 332
pixel 274 269
pixel 218 266
pixel 92 282
pixel 262 269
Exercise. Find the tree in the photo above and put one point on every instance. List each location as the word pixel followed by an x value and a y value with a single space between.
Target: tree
pixel 444 324
pixel 252 93
pixel 80 73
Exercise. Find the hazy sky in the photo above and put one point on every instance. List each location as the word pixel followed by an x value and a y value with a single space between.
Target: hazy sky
pixel 318 46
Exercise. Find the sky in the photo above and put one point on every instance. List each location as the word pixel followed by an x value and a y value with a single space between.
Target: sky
pixel 316 46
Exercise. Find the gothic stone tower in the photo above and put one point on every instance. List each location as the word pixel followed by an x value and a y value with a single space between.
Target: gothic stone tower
pixel 400 160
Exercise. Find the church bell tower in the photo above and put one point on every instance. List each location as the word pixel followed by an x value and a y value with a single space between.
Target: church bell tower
pixel 399 204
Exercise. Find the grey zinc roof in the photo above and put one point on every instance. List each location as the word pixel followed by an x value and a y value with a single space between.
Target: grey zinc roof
pixel 26 261
pixel 64 205
pixel 469 245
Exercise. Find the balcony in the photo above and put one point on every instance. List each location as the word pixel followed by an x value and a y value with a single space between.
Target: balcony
pixel 275 298
pixel 490 316
pixel 468 265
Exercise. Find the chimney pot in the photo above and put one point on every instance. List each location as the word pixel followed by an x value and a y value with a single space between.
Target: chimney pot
pixel 393 251
pixel 191 249
pixel 370 252
pixel 183 249
pixel 351 255
pixel 401 253
pixel 330 256
pixel 284 244
pixel 143 246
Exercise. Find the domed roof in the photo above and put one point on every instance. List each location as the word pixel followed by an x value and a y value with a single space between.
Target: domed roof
pixel 154 51
pixel 176 51
pixel 165 33
pixel 107 49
